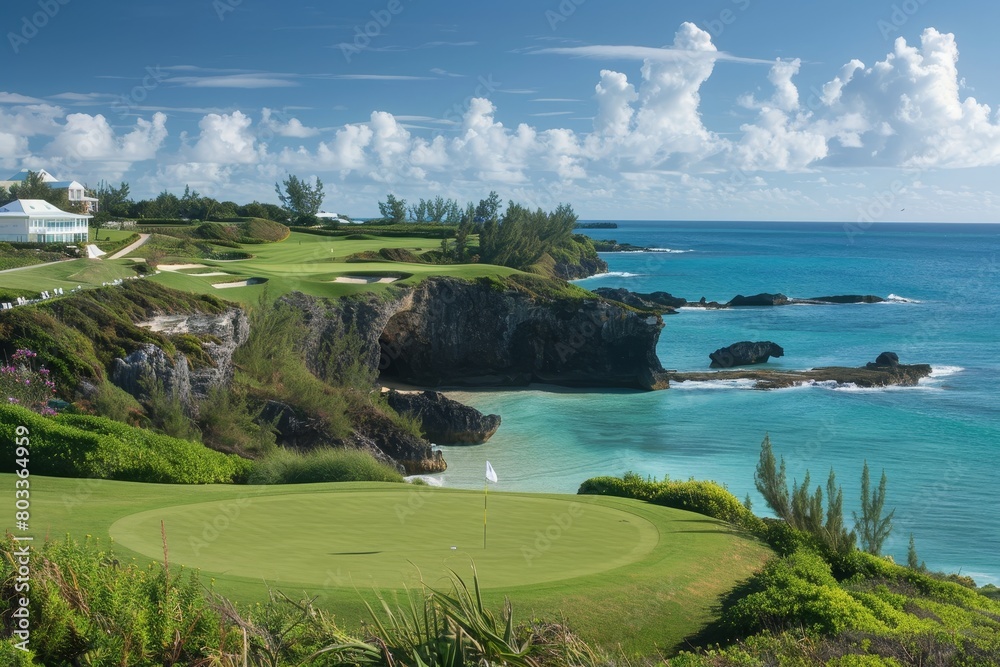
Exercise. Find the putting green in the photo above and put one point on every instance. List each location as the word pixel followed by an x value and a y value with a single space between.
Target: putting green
pixel 387 539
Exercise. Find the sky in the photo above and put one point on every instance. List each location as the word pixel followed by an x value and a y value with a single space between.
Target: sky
pixel 858 110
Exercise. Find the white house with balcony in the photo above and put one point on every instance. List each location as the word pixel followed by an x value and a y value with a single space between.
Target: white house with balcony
pixel 75 191
pixel 37 221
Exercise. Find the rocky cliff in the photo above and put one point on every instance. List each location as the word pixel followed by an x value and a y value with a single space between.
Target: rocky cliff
pixel 444 421
pixel 446 331
pixel 219 335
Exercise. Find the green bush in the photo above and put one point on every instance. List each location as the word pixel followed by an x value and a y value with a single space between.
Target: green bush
pixel 706 498
pixel 322 465
pixel 86 446
pixel 799 590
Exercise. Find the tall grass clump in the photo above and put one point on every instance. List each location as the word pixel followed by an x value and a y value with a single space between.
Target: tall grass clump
pixel 272 363
pixel 89 608
pixel 285 466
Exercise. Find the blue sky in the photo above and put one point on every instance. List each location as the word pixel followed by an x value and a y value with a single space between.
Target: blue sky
pixel 725 109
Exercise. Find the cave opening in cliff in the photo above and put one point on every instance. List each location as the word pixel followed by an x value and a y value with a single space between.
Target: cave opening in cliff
pixel 397 344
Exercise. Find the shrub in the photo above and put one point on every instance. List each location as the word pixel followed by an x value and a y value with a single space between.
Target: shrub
pixel 706 498
pixel 90 608
pixel 285 466
pixel 115 403
pixel 799 590
pixel 229 424
pixel 21 384
pixel 87 446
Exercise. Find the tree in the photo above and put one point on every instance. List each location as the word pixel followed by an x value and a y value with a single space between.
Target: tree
pixel 195 207
pixel 33 187
pixel 112 201
pixel 912 561
pixel 837 534
pixel 392 209
pixel 419 211
pixel 873 528
pixel 255 209
pixel 166 205
pixel 5 197
pixel 443 210
pixel 803 510
pixel 770 481
pixel 300 199
pixel 462 239
pixel 488 209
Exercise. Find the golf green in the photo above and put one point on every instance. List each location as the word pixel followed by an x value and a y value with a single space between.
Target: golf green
pixel 387 539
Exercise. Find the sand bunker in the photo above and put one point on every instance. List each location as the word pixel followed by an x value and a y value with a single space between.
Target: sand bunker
pixel 240 283
pixel 210 273
pixel 180 267
pixel 365 280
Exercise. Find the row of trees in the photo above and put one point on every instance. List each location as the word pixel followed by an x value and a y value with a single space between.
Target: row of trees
pixel 804 510
pixel 517 237
pixel 439 209
pixel 300 202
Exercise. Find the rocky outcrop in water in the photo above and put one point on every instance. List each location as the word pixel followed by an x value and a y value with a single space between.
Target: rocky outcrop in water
pixel 767 299
pixel 845 298
pixel 663 303
pixel 219 336
pixel 869 376
pixel 763 299
pixel 886 359
pixel 745 353
pixel 444 421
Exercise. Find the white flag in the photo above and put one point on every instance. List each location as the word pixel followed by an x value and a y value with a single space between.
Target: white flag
pixel 491 474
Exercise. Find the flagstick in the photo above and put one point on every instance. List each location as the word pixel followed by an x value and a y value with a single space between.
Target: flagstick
pixel 486 491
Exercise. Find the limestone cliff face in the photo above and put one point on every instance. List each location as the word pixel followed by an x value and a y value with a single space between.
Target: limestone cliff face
pixel 446 331
pixel 224 332
pixel 454 332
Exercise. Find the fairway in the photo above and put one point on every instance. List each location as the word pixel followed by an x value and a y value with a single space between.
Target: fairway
pixel 313 264
pixel 385 539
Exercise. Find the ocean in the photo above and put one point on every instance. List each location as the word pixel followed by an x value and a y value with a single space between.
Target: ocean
pixel 939 443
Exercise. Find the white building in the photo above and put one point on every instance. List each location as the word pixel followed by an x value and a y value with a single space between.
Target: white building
pixel 75 191
pixel 37 221
pixel 334 217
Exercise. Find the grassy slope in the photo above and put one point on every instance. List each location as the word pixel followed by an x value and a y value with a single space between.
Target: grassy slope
pixel 656 601
pixel 302 262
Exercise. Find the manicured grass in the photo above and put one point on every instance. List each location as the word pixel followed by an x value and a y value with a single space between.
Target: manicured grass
pixel 303 262
pixel 111 234
pixel 619 570
pixel 68 274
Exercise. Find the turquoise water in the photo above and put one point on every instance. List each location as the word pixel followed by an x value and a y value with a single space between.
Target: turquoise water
pixel 938 443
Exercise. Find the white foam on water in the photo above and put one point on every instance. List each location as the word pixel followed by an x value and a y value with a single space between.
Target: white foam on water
pixel 610 274
pixel 714 384
pixel 895 298
pixel 945 371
